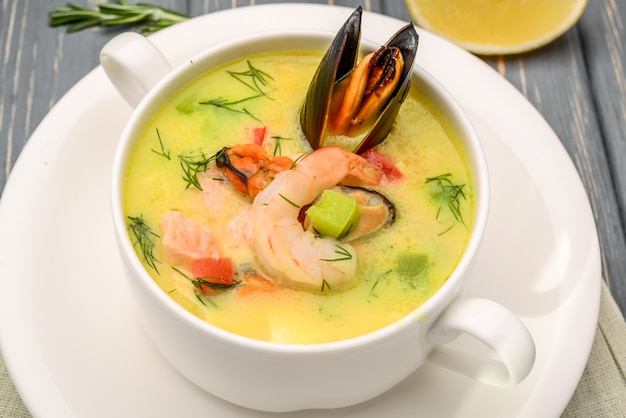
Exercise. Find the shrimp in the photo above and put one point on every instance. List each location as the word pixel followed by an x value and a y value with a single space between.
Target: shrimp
pixel 286 251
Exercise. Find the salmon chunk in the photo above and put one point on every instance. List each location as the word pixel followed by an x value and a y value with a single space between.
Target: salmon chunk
pixel 185 240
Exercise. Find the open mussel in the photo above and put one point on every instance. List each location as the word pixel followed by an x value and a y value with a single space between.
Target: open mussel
pixel 376 210
pixel 354 106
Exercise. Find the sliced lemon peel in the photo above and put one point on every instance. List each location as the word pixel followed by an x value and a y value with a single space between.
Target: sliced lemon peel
pixel 496 27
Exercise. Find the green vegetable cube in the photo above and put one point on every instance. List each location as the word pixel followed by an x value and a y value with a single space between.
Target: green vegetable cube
pixel 412 264
pixel 335 215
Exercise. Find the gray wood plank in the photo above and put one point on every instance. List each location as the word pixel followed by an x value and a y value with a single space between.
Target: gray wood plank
pixel 39 65
pixel 603 35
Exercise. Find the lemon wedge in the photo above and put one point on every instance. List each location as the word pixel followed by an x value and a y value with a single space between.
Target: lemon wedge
pixel 497 27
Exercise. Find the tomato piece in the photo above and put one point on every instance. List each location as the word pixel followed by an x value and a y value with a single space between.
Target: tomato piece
pixel 212 273
pixel 258 134
pixel 391 172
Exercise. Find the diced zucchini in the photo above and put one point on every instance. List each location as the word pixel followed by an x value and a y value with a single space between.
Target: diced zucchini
pixel 412 264
pixel 335 215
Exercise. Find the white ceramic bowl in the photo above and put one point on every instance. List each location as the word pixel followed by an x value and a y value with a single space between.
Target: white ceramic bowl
pixel 282 377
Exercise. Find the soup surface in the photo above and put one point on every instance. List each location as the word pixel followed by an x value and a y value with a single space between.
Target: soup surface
pixel 195 232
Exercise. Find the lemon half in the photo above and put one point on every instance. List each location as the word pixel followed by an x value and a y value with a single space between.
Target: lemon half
pixel 494 27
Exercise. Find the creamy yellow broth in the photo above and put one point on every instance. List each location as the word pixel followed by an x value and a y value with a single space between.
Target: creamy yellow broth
pixel 422 145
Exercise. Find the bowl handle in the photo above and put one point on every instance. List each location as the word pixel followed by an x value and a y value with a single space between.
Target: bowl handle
pixel 495 326
pixel 134 65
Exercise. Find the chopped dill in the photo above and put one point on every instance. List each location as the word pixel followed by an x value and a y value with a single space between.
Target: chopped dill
pixel 253 78
pixel 325 285
pixel 445 230
pixel 202 300
pixel 259 79
pixel 203 281
pixel 144 239
pixel 229 105
pixel 200 282
pixel 194 164
pixel 162 151
pixel 297 160
pixel 294 204
pixel 378 279
pixel 344 254
pixel 277 145
pixel 448 195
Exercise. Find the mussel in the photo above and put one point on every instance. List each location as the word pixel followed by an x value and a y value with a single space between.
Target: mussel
pixel 377 211
pixel 354 106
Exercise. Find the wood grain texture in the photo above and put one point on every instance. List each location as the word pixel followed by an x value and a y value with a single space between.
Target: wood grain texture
pixel 603 38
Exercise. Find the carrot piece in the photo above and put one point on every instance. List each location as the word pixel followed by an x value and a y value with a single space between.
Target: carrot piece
pixel 254 283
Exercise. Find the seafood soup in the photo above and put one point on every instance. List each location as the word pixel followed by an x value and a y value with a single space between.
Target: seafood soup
pixel 242 223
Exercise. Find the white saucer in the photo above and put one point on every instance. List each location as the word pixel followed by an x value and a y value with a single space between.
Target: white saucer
pixel 69 334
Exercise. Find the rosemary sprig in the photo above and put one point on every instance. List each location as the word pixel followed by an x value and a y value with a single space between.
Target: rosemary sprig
pixel 148 17
pixel 449 194
pixel 161 152
pixel 144 239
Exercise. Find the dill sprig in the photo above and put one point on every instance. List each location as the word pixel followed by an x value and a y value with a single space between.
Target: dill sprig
pixel 231 106
pixel 201 282
pixel 297 160
pixel 149 18
pixel 342 252
pixel 278 150
pixel 255 79
pixel 204 281
pixel 380 277
pixel 448 194
pixel 161 151
pixel 291 202
pixel 192 165
pixel 258 79
pixel 144 239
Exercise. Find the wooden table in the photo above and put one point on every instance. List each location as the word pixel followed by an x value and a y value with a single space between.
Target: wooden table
pixel 578 83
